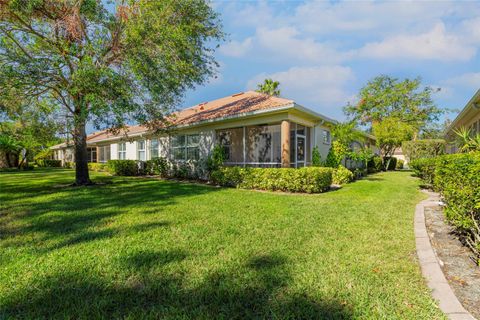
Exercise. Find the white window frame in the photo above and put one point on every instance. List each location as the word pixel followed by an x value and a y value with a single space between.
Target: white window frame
pixel 327 137
pixel 151 149
pixel 144 150
pixel 185 146
pixel 122 152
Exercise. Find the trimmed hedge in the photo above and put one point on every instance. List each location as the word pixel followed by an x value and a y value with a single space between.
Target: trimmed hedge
pixel 457 178
pixel 424 169
pixel 157 166
pixel 123 167
pixel 342 175
pixel 428 148
pixel 307 180
pixel 49 163
pixel 375 164
pixel 99 167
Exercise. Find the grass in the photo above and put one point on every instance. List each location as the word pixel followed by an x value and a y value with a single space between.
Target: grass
pixel 144 248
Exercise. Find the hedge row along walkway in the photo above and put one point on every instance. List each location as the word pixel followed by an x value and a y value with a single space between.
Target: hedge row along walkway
pixel 431 265
pixel 151 249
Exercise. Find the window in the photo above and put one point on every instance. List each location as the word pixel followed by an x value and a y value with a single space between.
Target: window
pixel 122 151
pixel 231 141
pixel 154 149
pixel 104 153
pixel 141 150
pixel 92 154
pixel 185 147
pixel 326 137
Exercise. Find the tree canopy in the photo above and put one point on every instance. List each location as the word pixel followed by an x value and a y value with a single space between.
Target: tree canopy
pixel 110 67
pixel 269 87
pixel 387 97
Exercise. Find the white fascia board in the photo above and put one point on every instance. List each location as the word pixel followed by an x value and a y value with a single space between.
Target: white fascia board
pixel 470 105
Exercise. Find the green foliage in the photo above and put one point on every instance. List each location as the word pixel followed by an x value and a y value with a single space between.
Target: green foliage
pixel 307 179
pixel 316 157
pixel 123 167
pixel 390 163
pixel 375 164
pixel 385 97
pixel 46 153
pixel 269 87
pixel 69 165
pixel 49 163
pixel 389 134
pixel 336 154
pixel 424 168
pixel 428 148
pixel 457 178
pixel 346 133
pixel 342 175
pixel 98 167
pixel 466 141
pixel 400 164
pixel 216 158
pixel 157 166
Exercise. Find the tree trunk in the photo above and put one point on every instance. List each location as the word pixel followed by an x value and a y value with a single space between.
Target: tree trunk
pixel 82 177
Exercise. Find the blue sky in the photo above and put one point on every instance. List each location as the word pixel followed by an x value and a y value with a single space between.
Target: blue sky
pixel 324 52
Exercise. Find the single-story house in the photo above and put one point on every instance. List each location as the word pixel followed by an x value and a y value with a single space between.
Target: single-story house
pixel 253 128
pixel 468 118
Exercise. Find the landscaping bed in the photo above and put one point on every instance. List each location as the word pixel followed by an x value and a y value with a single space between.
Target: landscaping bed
pixel 461 272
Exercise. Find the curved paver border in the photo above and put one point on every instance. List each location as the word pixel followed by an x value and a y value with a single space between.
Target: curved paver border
pixel 441 291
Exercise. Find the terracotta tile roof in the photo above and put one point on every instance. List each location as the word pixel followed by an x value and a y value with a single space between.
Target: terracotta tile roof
pixel 233 105
pixel 228 106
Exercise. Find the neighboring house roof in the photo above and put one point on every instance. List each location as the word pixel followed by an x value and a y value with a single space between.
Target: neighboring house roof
pixel 238 105
pixel 472 106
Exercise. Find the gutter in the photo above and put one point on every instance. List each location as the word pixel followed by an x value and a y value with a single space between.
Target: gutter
pixel 472 103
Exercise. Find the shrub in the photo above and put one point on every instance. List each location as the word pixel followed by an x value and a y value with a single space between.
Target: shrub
pixel 123 167
pixel 342 175
pixel 359 172
pixel 336 154
pixel 424 169
pixel 390 163
pixel 69 165
pixel 428 148
pixel 216 158
pixel 457 178
pixel 99 167
pixel 157 166
pixel 375 164
pixel 316 157
pixel 307 179
pixel 45 154
pixel 400 164
pixel 49 163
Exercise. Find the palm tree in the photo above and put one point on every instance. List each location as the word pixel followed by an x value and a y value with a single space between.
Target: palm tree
pixel 269 87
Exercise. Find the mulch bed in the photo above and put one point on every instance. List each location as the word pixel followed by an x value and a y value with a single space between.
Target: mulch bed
pixel 461 272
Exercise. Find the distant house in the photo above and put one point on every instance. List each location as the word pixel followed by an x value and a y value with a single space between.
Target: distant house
pixel 468 118
pixel 253 128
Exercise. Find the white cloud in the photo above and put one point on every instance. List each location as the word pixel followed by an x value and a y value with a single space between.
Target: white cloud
pixel 437 44
pixel 319 86
pixel 236 48
pixel 471 80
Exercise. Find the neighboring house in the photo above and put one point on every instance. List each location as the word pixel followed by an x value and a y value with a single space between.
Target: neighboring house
pixel 468 118
pixel 255 130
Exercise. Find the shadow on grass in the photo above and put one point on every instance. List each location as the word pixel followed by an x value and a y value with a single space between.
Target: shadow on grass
pixel 260 288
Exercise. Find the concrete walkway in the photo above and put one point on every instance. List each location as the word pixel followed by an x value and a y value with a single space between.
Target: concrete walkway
pixel 431 270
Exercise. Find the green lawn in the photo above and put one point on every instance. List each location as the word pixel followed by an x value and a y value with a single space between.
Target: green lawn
pixel 144 248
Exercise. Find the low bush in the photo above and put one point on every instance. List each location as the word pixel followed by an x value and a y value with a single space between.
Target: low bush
pixel 390 163
pixel 400 164
pixel 375 164
pixel 424 169
pixel 157 166
pixel 316 157
pixel 49 163
pixel 342 175
pixel 98 167
pixel 123 167
pixel 69 164
pixel 457 178
pixel 308 179
pixel 359 173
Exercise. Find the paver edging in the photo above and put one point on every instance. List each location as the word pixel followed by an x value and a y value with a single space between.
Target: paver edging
pixel 431 270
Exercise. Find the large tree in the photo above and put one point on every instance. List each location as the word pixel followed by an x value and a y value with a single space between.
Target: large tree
pixel 107 62
pixel 387 97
